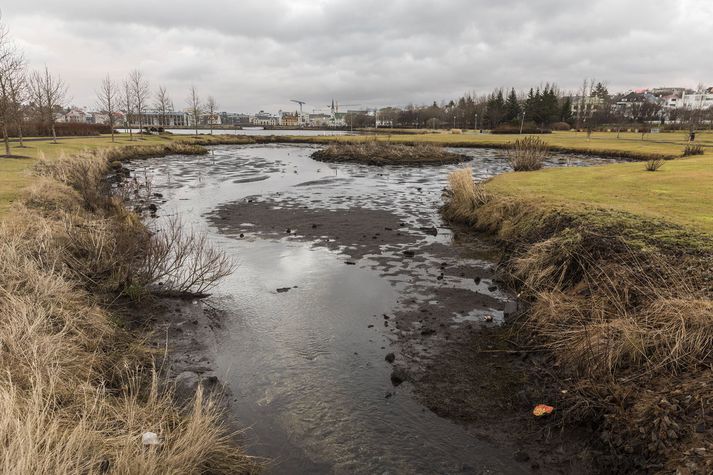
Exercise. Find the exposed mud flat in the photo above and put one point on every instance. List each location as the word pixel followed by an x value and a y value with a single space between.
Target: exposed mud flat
pixel 349 339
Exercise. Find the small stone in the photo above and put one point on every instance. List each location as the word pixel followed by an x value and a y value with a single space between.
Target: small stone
pixel 390 358
pixel 283 290
pixel 521 456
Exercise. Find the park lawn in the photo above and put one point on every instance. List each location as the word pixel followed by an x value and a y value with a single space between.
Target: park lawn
pixel 666 144
pixel 680 192
pixel 14 172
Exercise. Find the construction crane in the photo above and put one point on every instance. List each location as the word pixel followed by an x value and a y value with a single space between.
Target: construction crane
pixel 335 106
pixel 301 103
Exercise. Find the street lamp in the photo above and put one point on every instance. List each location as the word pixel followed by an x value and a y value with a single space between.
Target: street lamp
pixel 522 122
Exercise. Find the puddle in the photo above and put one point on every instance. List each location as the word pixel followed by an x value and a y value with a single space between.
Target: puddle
pixel 306 364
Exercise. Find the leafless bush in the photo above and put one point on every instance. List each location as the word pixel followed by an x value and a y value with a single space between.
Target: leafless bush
pixel 693 149
pixel 654 164
pixel 182 262
pixel 527 154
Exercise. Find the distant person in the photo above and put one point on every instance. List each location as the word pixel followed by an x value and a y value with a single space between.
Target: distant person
pixel 692 136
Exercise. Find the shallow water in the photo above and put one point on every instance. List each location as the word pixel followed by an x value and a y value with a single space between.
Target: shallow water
pixel 306 366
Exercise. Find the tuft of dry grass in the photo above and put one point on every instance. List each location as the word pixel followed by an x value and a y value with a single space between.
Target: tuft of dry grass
pixel 464 195
pixel 527 154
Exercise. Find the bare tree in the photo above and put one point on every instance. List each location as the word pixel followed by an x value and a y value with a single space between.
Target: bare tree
pixel 47 91
pixel 12 78
pixel 211 107
pixel 127 103
pixel 163 105
pixel 195 107
pixel 140 90
pixel 107 97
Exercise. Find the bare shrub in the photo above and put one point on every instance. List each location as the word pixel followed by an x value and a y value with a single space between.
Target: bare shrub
pixel 527 154
pixel 464 195
pixel 179 261
pixel 654 164
pixel 693 149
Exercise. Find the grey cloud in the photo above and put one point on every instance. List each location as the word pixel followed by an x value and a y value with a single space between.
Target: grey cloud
pixel 259 54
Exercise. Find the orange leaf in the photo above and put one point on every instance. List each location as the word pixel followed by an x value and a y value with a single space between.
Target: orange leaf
pixel 542 410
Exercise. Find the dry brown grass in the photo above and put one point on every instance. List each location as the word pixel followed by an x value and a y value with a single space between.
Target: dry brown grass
pixel 527 154
pixel 76 390
pixel 375 152
pixel 465 195
pixel 623 308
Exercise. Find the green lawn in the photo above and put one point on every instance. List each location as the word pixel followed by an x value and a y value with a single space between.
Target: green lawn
pixel 680 192
pixel 14 172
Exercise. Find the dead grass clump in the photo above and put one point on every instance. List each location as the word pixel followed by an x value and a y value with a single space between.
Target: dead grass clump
pixel 83 172
pixel 654 164
pixel 465 195
pixel 373 152
pixel 527 154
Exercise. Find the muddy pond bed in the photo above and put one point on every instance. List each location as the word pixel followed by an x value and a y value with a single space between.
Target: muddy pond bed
pixel 349 338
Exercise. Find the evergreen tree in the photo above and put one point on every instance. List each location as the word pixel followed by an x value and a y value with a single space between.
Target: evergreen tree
pixel 566 110
pixel 512 107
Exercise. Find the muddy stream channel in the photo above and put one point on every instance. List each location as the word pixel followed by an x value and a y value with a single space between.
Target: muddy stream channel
pixel 338 267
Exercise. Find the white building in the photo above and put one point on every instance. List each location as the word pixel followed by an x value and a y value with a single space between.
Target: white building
pixel 264 119
pixel 697 100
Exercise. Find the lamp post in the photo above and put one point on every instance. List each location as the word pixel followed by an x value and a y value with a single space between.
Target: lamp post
pixel 522 122
pixel 475 123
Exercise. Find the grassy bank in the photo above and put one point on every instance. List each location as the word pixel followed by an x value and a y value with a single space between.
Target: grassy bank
pixel 620 291
pixel 15 172
pixel 629 145
pixel 78 390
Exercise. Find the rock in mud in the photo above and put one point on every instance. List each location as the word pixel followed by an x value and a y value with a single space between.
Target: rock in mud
pixel 397 376
pixel 409 253
pixel 432 231
pixel 390 358
pixel 282 290
pixel 521 456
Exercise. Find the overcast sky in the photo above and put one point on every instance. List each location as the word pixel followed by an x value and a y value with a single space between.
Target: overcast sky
pixel 259 54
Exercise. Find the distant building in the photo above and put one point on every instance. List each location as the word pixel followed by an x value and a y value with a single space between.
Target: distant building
pixel 233 118
pixel 158 119
pixel 697 100
pixel 264 119
pixel 289 119
pixel 583 107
